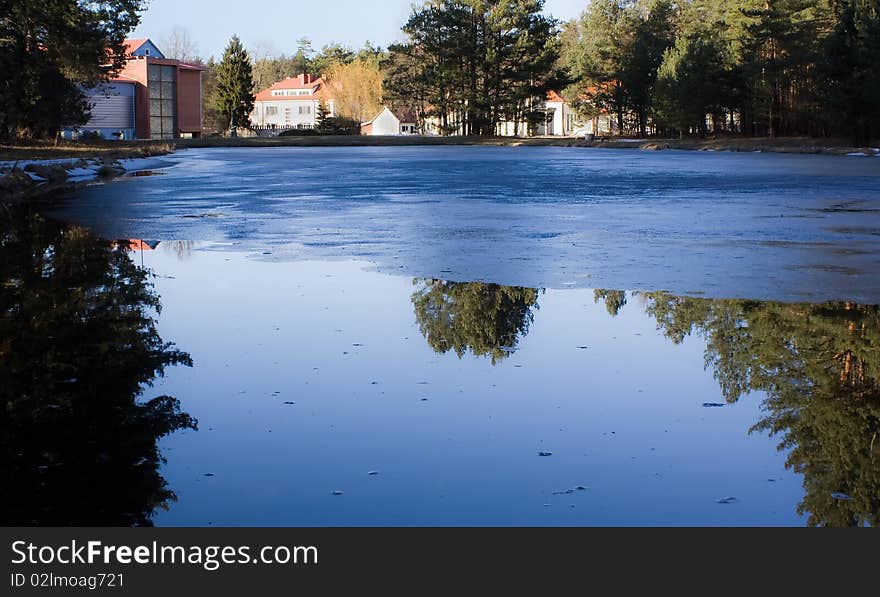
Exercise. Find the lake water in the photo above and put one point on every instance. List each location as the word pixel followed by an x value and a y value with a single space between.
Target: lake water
pixel 448 336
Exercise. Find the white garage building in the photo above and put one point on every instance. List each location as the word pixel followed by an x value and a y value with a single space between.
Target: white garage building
pixel 389 123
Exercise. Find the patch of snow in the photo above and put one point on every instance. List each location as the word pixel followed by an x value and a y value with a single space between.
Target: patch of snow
pixel 37 178
pixel 22 164
pixel 137 164
pixel 860 154
pixel 83 174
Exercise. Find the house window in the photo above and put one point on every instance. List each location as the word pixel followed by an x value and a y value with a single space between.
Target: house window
pixel 162 83
pixel 271 110
pixel 305 109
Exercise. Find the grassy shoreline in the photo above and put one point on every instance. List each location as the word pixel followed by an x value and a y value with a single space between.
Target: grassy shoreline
pixel 87 150
pixel 798 145
pixel 109 151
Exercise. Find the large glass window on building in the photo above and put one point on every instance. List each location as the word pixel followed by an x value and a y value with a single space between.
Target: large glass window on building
pixel 163 100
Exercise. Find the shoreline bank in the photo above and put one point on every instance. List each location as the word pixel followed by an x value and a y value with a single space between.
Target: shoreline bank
pixel 797 145
pixel 29 171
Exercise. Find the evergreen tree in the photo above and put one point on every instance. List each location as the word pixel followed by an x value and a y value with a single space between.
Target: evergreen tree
pixel 688 85
pixel 233 96
pixel 757 67
pixel 475 63
pixel 49 51
pixel 321 116
pixel 617 53
pixel 852 65
pixel 330 56
pixel 212 120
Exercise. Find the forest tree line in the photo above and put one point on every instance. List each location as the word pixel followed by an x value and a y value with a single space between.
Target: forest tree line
pixel 754 67
pixel 655 67
pixel 661 67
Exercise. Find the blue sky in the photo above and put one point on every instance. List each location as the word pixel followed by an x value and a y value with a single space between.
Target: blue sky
pixel 275 26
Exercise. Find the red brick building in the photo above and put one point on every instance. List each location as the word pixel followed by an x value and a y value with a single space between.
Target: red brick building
pixel 151 98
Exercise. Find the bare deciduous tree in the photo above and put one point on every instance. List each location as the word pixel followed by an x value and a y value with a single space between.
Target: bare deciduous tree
pixel 178 45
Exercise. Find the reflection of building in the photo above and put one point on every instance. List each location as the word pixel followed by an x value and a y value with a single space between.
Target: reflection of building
pixel 391 122
pixel 137 244
pixel 150 98
pixel 292 103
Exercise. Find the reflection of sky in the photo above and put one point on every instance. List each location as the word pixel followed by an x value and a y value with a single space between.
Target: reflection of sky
pixel 622 417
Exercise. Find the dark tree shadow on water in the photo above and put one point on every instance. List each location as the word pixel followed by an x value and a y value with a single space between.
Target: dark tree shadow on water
pixel 819 367
pixel 78 348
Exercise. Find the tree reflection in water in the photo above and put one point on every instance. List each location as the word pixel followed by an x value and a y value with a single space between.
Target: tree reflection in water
pixel 78 345
pixel 819 366
pixel 486 319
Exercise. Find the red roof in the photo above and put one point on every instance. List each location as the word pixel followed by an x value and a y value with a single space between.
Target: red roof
pixel 316 86
pixel 553 96
pixel 405 116
pixel 133 45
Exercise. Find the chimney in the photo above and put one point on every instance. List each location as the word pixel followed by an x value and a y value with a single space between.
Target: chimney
pixel 305 79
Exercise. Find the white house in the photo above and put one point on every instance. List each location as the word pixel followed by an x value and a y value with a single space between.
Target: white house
pixel 388 122
pixel 560 120
pixel 292 103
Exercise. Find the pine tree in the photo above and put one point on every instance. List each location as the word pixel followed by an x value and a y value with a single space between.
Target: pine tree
pixel 852 65
pixel 321 116
pixel 49 52
pixel 233 95
pixel 476 63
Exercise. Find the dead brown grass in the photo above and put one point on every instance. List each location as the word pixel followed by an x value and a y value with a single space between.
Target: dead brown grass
pixel 113 150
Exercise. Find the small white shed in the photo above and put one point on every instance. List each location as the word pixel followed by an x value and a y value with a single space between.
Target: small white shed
pixel 387 122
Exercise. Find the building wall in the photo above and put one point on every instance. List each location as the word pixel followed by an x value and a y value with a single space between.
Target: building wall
pixel 189 102
pixel 289 113
pixel 179 96
pixel 188 97
pixel 136 70
pixel 162 83
pixel 148 50
pixel 385 123
pixel 112 112
pixel 558 122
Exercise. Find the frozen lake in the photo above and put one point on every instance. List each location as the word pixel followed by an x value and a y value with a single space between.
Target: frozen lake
pixel 769 226
pixel 450 336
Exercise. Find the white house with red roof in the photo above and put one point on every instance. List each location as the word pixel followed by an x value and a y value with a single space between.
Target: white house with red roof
pixel 292 103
